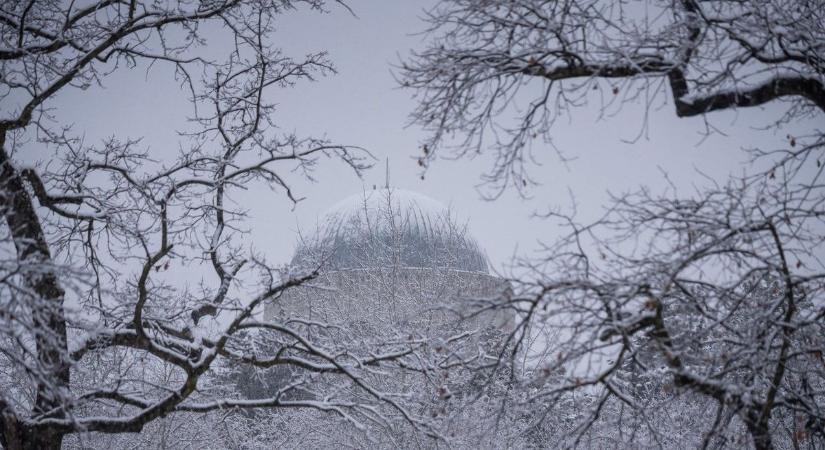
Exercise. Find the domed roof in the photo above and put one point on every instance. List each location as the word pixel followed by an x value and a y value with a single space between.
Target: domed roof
pixel 390 228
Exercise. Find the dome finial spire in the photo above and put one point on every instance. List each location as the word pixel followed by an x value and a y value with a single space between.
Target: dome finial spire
pixel 387 177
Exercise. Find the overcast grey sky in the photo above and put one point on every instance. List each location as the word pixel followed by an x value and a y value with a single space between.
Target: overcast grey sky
pixel 363 106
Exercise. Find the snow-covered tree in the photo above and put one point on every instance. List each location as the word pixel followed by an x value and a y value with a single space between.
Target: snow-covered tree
pixel 703 56
pixel 104 328
pixel 710 300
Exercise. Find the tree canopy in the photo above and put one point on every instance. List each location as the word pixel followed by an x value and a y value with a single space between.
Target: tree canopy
pixel 716 297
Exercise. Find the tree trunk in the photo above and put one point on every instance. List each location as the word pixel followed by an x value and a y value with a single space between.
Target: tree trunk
pixel 32 439
pixel 759 431
pixel 47 309
pixel 42 440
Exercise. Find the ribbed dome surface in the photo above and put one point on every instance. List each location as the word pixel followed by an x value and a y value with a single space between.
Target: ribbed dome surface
pixel 387 228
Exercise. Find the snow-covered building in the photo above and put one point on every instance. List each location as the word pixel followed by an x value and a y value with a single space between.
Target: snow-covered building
pixel 398 274
pixel 393 261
